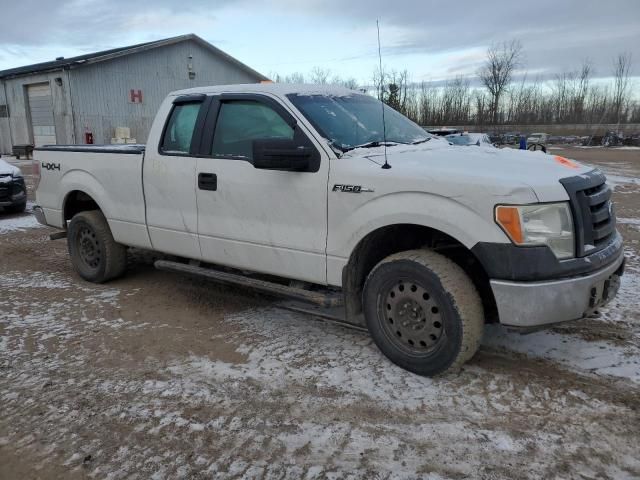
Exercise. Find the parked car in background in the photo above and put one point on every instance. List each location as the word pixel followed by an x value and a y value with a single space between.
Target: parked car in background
pixel 538 139
pixel 496 138
pixel 511 138
pixel 612 139
pixel 470 139
pixel 556 139
pixel 13 193
pixel 442 132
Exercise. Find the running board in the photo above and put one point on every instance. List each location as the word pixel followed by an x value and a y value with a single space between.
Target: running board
pixel 328 299
pixel 335 315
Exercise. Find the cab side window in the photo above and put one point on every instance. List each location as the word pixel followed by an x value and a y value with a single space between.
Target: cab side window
pixel 179 130
pixel 242 121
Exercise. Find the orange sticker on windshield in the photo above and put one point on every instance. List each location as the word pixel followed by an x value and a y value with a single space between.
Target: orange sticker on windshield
pixel 565 162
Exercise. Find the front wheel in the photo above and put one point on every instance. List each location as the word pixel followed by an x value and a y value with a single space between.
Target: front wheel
pixel 95 255
pixel 423 312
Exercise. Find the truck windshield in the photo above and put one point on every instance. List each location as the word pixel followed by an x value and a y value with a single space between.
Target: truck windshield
pixel 356 120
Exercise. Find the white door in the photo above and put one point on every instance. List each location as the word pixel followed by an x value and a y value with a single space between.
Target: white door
pixel 169 180
pixel 41 113
pixel 261 220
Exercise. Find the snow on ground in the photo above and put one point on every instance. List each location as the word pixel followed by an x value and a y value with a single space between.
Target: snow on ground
pixel 628 221
pixel 580 355
pixel 306 399
pixel 17 223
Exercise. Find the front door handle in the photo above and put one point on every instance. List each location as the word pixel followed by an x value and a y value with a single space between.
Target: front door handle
pixel 207 181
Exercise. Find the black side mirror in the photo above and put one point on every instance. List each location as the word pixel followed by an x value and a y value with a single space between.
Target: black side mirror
pixel 280 154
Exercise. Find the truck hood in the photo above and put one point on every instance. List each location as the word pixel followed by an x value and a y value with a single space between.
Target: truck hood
pixel 503 169
pixel 7 169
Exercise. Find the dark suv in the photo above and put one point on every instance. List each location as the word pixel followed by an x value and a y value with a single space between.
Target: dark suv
pixel 13 192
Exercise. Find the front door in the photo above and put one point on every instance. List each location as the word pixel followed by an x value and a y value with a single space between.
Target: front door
pixel 261 220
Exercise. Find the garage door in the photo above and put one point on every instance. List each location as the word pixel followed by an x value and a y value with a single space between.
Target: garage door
pixel 41 109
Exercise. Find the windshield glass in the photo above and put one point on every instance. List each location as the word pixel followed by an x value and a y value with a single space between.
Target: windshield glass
pixel 354 120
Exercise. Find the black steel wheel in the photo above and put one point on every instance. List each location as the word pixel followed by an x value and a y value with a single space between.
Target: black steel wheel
pixel 89 247
pixel 95 255
pixel 413 317
pixel 423 312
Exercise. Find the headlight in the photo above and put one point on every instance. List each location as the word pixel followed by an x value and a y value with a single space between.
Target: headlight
pixel 539 224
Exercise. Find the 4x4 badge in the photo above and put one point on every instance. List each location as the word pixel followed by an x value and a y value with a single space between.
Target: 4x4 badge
pixel 51 166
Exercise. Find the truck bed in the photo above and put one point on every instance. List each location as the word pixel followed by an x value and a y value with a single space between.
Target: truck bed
pixel 133 148
pixel 111 175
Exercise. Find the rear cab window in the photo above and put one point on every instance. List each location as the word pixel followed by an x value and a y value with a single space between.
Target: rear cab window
pixel 180 127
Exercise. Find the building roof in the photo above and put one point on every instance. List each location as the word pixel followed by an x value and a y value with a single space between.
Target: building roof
pixel 89 58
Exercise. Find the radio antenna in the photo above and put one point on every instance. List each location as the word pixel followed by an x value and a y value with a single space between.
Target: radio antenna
pixel 384 124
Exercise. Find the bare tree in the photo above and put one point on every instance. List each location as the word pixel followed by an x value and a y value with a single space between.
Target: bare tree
pixel 379 81
pixel 320 75
pixel 621 67
pixel 295 77
pixel 351 82
pixel 497 71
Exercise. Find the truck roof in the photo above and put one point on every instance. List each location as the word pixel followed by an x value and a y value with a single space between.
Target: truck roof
pixel 279 89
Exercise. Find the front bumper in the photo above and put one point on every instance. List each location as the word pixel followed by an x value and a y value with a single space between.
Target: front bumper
pixel 534 304
pixel 8 196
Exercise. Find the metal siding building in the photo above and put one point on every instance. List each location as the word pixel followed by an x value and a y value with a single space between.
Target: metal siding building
pixel 60 101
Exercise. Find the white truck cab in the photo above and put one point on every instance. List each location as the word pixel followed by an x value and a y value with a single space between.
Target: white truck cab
pixel 420 241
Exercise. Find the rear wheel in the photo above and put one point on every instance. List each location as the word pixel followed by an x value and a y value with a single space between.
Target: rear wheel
pixel 423 312
pixel 95 255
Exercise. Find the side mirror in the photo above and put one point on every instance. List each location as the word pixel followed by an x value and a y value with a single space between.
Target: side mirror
pixel 280 154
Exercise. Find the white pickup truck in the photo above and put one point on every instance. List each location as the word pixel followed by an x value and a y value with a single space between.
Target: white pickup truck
pixel 302 191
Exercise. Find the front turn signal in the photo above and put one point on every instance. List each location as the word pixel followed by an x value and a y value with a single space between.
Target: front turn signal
pixel 508 218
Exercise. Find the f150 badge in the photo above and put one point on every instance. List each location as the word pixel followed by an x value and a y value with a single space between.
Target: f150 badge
pixel 51 166
pixel 350 188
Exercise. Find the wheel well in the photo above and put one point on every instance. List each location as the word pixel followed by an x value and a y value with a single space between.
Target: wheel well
pixel 386 241
pixel 76 202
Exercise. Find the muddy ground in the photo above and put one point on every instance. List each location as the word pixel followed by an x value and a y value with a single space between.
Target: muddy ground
pixel 157 375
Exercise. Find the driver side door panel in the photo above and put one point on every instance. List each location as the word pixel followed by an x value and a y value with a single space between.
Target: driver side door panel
pixel 269 221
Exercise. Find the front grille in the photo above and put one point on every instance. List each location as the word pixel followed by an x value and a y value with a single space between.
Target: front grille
pixel 593 216
pixel 5 188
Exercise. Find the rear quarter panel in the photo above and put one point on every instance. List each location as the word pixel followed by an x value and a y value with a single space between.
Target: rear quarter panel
pixel 113 180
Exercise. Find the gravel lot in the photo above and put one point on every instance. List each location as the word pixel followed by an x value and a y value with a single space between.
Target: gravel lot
pixel 157 375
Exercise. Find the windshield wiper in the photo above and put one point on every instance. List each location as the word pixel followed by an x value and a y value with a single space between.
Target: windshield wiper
pixel 421 141
pixel 375 143
pixel 338 149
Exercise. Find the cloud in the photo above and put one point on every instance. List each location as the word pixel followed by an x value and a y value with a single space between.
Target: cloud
pixel 556 35
pixel 430 39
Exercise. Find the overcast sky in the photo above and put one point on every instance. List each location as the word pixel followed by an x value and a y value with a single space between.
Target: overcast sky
pixel 432 40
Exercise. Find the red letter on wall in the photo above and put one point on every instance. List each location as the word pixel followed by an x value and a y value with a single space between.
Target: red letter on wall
pixel 135 96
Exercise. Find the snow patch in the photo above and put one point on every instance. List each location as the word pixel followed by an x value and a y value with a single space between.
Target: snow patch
pixel 597 357
pixel 631 221
pixel 18 224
